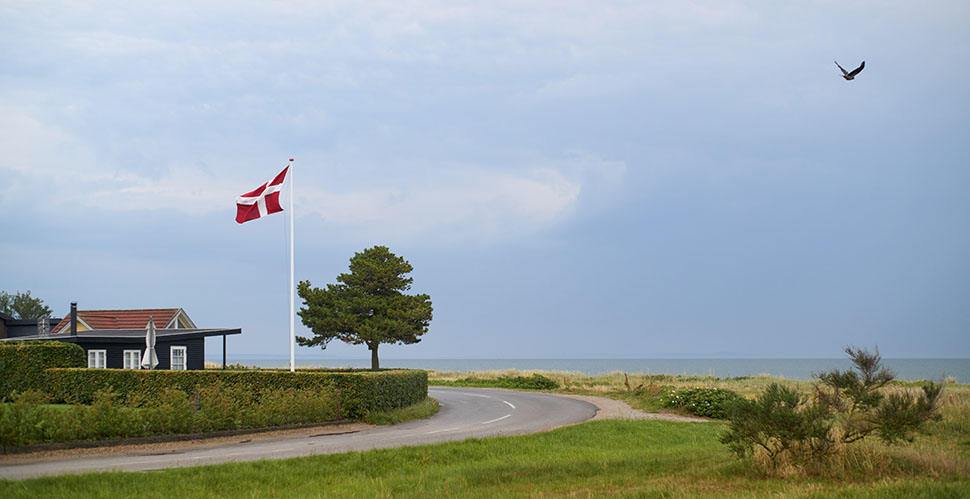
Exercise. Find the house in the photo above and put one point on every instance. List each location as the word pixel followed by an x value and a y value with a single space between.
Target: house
pixel 11 328
pixel 115 339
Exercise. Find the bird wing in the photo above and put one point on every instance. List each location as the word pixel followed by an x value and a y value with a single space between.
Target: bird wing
pixel 857 70
pixel 843 69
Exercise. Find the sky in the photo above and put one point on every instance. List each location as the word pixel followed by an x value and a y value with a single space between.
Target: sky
pixel 569 179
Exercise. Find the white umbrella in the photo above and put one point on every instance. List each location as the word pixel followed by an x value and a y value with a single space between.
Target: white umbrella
pixel 150 360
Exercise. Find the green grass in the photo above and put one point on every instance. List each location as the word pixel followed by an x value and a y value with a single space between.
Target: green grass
pixel 625 458
pixel 424 409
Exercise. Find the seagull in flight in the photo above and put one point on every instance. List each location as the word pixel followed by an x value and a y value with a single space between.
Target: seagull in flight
pixel 850 75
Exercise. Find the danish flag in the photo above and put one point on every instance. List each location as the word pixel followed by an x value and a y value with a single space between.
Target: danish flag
pixel 262 201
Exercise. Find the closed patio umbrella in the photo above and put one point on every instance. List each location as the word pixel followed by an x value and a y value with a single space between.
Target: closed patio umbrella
pixel 150 360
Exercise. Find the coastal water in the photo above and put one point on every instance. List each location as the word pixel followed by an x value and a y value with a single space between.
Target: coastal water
pixel 905 369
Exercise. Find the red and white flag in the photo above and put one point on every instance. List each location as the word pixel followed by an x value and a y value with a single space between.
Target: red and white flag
pixel 262 201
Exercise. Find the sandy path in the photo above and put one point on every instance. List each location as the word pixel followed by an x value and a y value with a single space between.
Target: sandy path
pixel 617 409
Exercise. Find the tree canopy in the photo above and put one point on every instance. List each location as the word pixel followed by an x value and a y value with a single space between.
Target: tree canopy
pixel 23 306
pixel 367 305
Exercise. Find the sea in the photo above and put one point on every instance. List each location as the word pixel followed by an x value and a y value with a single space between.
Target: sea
pixel 957 370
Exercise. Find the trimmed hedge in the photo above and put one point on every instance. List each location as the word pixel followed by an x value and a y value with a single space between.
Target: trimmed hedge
pixel 29 420
pixel 23 364
pixel 355 393
pixel 534 382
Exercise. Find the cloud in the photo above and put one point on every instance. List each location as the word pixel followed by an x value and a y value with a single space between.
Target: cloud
pixel 31 146
pixel 468 203
pixel 441 200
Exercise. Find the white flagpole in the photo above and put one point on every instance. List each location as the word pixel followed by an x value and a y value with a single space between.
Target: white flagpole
pixel 292 284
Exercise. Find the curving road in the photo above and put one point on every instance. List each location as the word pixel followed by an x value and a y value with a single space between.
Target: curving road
pixel 465 413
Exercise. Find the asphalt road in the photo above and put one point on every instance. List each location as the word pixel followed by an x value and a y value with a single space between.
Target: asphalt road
pixel 464 413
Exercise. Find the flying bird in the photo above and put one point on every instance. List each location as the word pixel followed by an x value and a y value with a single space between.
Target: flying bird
pixel 850 75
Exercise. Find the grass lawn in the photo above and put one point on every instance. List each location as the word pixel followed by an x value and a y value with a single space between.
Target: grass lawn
pixel 627 458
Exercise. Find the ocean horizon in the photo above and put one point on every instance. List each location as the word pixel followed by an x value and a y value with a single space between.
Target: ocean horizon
pixel 804 369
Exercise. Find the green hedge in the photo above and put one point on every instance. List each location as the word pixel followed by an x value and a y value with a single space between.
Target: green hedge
pixel 23 363
pixel 534 382
pixel 28 419
pixel 355 393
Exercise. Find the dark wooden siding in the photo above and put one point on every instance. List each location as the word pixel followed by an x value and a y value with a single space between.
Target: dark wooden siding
pixel 114 356
pixel 195 351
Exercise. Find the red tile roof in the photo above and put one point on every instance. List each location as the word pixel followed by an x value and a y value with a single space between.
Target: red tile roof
pixel 119 319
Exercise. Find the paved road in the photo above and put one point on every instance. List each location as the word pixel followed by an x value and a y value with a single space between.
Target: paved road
pixel 465 413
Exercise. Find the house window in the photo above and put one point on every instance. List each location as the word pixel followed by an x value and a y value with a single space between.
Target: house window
pixel 179 359
pixel 97 359
pixel 132 359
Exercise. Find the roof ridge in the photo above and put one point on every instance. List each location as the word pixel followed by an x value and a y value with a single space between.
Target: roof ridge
pixel 130 309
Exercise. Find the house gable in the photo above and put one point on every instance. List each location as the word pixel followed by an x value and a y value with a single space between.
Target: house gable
pixel 180 320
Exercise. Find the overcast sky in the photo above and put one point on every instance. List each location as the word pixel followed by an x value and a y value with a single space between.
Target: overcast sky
pixel 568 178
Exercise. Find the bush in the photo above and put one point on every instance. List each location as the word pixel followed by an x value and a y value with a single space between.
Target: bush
pixel 23 363
pixel 29 420
pixel 781 423
pixel 534 382
pixel 704 402
pixel 856 399
pixel 848 407
pixel 170 413
pixel 354 393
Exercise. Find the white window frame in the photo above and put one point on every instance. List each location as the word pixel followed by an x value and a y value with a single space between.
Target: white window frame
pixel 185 358
pixel 135 357
pixel 94 356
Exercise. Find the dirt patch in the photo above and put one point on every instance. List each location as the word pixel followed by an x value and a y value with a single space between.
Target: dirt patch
pixel 617 409
pixel 148 449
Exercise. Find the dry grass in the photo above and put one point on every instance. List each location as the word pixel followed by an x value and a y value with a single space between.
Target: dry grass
pixel 957 396
pixel 617 382
pixel 942 450
pixel 863 460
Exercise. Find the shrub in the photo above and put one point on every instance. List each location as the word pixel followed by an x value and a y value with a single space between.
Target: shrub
pixel 704 402
pixel 856 399
pixel 848 407
pixel 899 416
pixel 111 403
pixel 170 413
pixel 221 408
pixel 29 420
pixel 534 382
pixel 107 418
pixel 23 363
pixel 781 423
pixel 24 407
pixel 354 393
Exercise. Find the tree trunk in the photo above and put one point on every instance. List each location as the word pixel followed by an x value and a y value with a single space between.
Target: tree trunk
pixel 375 364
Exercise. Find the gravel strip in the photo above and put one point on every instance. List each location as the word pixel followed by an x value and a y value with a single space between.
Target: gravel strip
pixel 617 409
